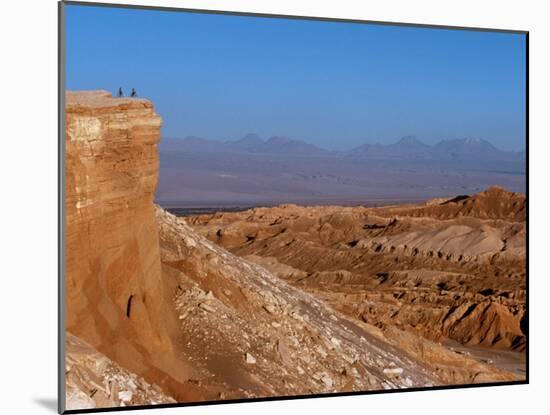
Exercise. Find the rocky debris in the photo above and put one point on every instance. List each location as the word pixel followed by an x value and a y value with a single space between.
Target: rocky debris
pixel 456 271
pixel 206 307
pixel 319 349
pixel 268 338
pixel 270 308
pixel 177 310
pixel 125 396
pixel 250 359
pixel 324 378
pixel 284 352
pixel 393 371
pixel 408 382
pixel 77 399
pixel 95 381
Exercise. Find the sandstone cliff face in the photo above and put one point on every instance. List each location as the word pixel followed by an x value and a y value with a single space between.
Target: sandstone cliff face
pixel 115 295
pixel 161 304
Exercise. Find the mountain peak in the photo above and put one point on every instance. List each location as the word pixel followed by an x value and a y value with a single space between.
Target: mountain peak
pixel 250 138
pixel 250 142
pixel 279 140
pixel 411 141
pixel 467 143
pixel 472 140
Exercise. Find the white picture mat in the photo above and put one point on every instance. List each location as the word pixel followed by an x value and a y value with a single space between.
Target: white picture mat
pixel 29 203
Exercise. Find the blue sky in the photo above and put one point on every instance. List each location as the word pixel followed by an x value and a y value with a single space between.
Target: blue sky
pixel 332 84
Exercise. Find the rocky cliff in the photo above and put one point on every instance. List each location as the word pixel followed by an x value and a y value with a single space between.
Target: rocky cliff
pixel 115 294
pixel 170 308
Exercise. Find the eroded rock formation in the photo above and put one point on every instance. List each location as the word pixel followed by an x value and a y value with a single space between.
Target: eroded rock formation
pixel 448 269
pixel 163 305
pixel 253 334
pixel 116 300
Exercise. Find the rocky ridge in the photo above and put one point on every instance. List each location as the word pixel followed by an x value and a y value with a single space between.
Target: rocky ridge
pixel 153 302
pixel 493 203
pixel 296 343
pixel 256 335
pixel 450 269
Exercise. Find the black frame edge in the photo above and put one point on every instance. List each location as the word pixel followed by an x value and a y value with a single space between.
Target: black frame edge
pixel 527 224
pixel 61 208
pixel 295 397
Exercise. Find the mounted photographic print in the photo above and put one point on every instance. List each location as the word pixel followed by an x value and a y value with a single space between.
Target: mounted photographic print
pixel 258 207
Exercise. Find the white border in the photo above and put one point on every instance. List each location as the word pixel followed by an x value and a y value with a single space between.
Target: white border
pixel 29 203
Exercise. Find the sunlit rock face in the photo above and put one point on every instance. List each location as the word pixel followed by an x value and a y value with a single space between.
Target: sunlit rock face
pixel 115 295
pixel 163 311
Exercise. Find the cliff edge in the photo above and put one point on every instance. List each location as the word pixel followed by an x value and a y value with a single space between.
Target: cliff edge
pixel 173 309
pixel 116 300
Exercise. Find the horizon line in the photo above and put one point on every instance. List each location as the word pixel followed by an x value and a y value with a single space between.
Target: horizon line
pixel 265 141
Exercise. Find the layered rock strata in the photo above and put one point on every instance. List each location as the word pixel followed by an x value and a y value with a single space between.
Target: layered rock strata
pixel 253 334
pixel 116 299
pixel 449 269
pixel 150 301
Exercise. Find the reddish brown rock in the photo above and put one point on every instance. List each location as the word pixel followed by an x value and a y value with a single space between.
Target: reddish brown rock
pixel 115 294
pixel 494 203
pixel 174 309
pixel 447 269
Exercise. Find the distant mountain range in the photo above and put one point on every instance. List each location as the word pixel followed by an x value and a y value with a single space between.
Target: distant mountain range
pixel 276 145
pixel 254 171
pixel 407 148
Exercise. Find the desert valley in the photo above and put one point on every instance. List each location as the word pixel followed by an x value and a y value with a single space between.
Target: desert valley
pixel 251 172
pixel 283 299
